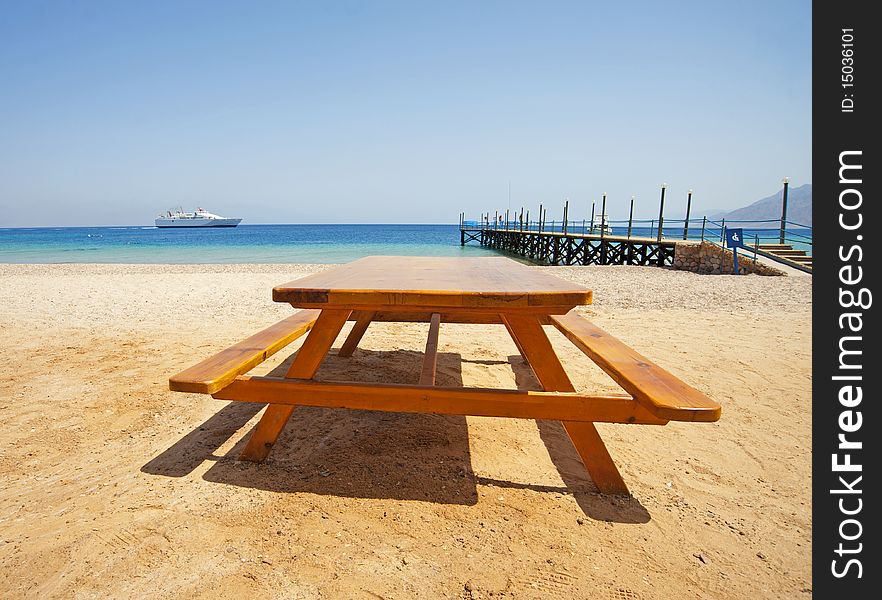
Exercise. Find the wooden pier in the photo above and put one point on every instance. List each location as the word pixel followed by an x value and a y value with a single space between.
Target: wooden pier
pixel 595 242
pixel 558 248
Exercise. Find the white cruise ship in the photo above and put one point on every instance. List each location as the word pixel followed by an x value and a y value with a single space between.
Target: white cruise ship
pixel 200 218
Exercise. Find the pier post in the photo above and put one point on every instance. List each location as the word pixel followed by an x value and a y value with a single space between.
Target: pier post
pixel 631 217
pixel 592 217
pixel 602 234
pixel 784 209
pixel 703 223
pixel 506 219
pixel 540 217
pixel 688 210
pixel 565 216
pixel 722 230
pixel 661 211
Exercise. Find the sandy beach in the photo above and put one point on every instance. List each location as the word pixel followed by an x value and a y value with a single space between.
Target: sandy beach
pixel 112 486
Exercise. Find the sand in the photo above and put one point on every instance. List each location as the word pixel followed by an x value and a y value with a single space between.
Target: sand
pixel 112 486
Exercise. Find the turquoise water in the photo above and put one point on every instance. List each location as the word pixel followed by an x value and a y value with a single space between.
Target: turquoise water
pixel 242 244
pixel 258 243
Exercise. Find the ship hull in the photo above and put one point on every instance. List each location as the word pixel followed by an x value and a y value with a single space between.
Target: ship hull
pixel 180 223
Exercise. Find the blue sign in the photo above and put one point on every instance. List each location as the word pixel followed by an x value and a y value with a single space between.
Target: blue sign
pixel 735 237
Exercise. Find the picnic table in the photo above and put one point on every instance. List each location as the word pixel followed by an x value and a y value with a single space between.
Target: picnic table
pixel 436 290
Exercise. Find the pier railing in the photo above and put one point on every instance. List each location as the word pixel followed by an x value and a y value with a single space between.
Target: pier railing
pixel 569 243
pixel 780 239
pixel 757 232
pixel 633 241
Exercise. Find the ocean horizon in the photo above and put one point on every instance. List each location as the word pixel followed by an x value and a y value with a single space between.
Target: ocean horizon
pixel 247 243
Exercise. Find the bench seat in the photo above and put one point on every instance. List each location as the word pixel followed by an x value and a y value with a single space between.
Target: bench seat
pixel 663 394
pixel 217 372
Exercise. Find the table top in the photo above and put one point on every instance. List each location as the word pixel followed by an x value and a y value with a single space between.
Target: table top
pixel 483 283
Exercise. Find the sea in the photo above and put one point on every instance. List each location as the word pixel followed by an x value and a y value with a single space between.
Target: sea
pixel 242 244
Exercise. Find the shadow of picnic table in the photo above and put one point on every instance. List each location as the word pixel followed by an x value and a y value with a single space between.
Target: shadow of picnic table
pixel 377 454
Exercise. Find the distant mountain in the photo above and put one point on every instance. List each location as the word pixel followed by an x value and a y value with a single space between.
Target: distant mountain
pixel 799 207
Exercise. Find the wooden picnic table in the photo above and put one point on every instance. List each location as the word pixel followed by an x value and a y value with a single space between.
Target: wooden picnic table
pixel 486 290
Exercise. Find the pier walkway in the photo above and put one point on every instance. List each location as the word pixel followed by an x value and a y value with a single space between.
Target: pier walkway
pixel 600 241
pixel 581 243
pixel 559 248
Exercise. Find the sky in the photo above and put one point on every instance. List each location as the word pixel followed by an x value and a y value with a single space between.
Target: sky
pixel 396 112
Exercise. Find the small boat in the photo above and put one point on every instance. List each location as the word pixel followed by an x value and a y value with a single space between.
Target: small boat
pixel 200 218
pixel 601 228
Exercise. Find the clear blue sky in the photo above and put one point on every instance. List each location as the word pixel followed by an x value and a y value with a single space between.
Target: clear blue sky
pixel 111 112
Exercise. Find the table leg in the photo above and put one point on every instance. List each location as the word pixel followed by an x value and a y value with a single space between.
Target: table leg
pixel 534 344
pixel 430 358
pixel 358 330
pixel 326 329
pixel 515 340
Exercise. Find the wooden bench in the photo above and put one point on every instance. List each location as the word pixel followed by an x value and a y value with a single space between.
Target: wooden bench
pixel 217 372
pixel 659 391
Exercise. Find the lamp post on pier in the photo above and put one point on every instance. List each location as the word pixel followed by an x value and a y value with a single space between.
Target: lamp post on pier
pixel 661 211
pixel 603 245
pixel 563 228
pixel 688 210
pixel 784 209
pixel 631 217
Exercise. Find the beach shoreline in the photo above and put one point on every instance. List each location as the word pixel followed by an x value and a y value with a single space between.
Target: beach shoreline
pixel 115 486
